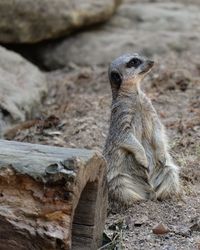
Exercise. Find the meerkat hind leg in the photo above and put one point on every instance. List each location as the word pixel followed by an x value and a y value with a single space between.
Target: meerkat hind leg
pixel 166 181
pixel 127 189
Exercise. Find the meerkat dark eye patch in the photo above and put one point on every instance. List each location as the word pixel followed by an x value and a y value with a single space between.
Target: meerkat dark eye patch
pixel 134 62
pixel 116 78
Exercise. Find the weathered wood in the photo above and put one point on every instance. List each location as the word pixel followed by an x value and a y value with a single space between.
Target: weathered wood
pixel 51 197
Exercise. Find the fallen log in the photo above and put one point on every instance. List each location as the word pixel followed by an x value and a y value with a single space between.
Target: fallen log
pixel 51 197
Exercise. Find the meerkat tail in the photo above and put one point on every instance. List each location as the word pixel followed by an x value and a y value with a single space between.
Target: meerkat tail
pixel 127 189
pixel 166 182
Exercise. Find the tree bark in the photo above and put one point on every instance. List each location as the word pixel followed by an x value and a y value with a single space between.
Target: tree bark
pixel 51 197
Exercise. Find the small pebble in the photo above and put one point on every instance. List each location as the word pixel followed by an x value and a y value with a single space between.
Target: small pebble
pixel 160 228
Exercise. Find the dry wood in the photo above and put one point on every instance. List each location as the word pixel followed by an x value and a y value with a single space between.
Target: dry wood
pixel 51 197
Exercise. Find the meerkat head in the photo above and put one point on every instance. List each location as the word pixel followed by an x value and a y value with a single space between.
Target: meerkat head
pixel 126 72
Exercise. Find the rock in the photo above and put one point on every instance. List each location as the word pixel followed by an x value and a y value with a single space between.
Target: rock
pixel 182 230
pixel 135 222
pixel 160 228
pixel 118 225
pixel 195 224
pixel 150 28
pixel 22 88
pixel 140 221
pixel 27 21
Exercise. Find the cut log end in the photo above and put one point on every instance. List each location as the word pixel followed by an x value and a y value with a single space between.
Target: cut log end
pixel 50 197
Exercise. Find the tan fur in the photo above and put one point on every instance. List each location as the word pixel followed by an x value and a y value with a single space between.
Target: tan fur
pixel 139 164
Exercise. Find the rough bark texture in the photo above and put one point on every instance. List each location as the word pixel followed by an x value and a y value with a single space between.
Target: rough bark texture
pixel 50 197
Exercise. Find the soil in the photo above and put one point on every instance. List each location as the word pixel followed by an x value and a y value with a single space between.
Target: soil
pixel 76 114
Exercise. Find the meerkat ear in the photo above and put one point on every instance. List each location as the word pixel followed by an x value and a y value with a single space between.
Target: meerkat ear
pixel 115 78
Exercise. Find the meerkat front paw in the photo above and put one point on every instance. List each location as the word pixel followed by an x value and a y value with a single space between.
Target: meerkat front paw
pixel 133 146
pixel 161 158
pixel 142 160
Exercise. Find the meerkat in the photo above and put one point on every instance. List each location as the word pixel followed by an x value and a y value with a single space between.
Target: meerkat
pixel 137 153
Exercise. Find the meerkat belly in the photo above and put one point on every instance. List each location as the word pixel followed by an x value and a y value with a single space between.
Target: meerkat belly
pixel 142 128
pixel 137 126
pixel 147 137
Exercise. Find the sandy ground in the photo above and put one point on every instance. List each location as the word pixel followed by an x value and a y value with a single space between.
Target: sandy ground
pixel 76 114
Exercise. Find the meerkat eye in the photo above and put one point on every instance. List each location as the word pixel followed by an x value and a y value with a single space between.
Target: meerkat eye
pixel 134 62
pixel 116 78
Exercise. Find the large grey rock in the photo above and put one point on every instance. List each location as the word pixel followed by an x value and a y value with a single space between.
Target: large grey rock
pixel 150 28
pixel 31 21
pixel 22 86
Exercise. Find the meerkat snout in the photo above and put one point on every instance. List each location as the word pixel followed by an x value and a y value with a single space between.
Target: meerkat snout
pixel 146 67
pixel 128 70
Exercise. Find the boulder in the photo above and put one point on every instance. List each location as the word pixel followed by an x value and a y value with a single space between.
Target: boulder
pixel 150 28
pixel 27 21
pixel 22 87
